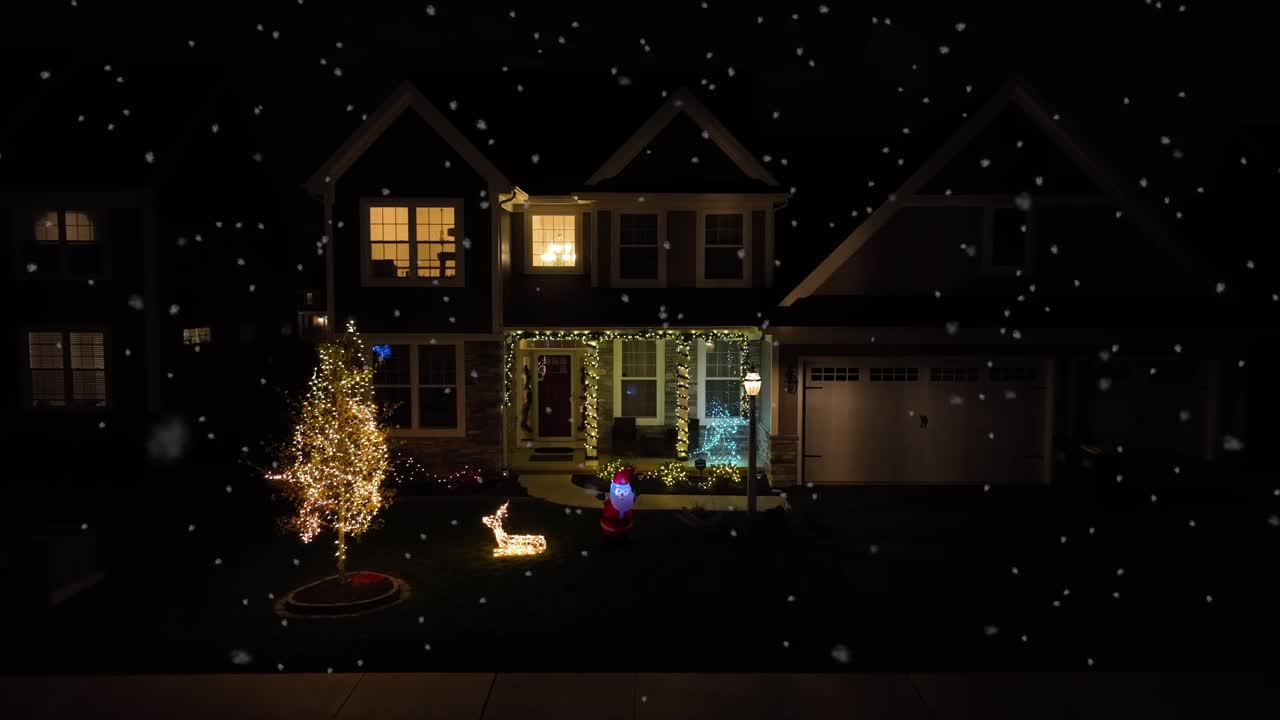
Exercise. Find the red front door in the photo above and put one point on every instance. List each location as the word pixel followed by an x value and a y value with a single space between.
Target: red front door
pixel 555 396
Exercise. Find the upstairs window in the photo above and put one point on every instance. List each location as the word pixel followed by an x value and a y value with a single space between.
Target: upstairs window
pixel 413 243
pixel 639 258
pixel 724 255
pixel 555 243
pixel 65 242
pixel 67 369
pixel 1008 240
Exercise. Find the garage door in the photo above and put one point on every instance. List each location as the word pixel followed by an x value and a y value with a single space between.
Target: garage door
pixel 919 420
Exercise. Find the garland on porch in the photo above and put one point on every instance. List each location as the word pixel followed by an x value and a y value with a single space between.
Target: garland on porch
pixel 592 339
pixel 591 368
pixel 683 347
pixel 528 399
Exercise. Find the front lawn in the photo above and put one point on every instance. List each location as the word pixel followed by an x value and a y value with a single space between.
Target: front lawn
pixel 870 579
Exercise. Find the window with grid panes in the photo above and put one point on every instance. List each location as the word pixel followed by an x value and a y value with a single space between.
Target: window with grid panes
pixel 639 379
pixel 392 384
pixel 723 241
pixel 65 241
pixel 638 246
pixel 722 380
pixel 67 369
pixel 437 387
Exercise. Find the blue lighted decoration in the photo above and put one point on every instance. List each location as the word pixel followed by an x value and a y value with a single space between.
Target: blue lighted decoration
pixel 382 351
pixel 720 431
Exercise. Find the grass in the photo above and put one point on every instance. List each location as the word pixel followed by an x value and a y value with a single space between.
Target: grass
pixel 906 579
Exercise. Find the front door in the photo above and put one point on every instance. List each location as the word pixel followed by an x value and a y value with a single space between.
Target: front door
pixel 555 396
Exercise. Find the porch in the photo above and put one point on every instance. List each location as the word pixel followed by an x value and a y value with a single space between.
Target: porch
pixel 578 398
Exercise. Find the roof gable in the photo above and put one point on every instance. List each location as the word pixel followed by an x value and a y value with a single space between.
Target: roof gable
pixel 682 104
pixel 406 97
pixel 1013 97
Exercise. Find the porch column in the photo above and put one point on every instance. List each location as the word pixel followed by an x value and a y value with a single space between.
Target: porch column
pixel 591 368
pixel 683 348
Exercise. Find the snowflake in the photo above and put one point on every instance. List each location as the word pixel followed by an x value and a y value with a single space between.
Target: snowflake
pixel 840 653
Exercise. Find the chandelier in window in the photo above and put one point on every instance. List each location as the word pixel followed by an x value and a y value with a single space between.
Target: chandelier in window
pixel 558 253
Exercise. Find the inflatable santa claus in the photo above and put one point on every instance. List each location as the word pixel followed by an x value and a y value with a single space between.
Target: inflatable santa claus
pixel 618 515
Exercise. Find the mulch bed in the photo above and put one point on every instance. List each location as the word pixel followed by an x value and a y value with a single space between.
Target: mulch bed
pixel 363 591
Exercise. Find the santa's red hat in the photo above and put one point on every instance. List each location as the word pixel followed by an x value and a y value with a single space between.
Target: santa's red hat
pixel 622 477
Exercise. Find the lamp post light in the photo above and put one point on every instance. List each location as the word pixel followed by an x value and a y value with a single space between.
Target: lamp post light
pixel 751 383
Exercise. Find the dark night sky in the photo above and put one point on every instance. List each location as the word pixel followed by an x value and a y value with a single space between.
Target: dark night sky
pixel 1084 58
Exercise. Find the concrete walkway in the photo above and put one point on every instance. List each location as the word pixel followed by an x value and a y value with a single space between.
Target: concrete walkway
pixel 535 696
pixel 559 489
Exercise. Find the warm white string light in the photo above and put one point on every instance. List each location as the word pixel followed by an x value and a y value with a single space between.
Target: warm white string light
pixel 510 545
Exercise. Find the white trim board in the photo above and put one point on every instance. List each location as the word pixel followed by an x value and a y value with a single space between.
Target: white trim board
pixel 1015 93
pixel 683 101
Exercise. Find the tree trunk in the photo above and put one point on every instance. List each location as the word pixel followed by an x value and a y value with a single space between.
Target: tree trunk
pixel 342 556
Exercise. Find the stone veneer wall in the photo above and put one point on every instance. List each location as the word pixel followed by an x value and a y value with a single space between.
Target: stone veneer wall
pixel 783 450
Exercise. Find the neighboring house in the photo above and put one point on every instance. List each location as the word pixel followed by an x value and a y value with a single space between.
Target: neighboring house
pixel 143 237
pixel 526 330
pixel 1008 303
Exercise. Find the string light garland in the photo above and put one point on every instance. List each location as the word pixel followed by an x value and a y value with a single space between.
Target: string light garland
pixel 591 416
pixel 673 473
pixel 335 465
pixel 591 340
pixel 407 470
pixel 683 349
pixel 720 434
pixel 512 545
pixel 723 472
pixel 611 468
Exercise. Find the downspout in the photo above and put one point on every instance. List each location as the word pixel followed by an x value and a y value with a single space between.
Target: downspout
pixel 329 262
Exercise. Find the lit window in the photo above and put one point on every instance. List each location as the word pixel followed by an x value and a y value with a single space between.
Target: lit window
pixel 638 247
pixel 67 368
pixel 414 242
pixel 554 241
pixel 724 247
pixel 197 336
pixel 639 383
pixel 65 241
pixel 389 241
pixel 721 380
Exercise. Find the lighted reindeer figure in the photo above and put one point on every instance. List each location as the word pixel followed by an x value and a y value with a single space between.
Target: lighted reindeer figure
pixel 512 544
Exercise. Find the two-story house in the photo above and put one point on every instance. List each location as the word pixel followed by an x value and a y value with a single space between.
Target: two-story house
pixel 983 321
pixel 529 328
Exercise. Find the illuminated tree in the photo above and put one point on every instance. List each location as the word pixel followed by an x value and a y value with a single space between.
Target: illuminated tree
pixel 336 462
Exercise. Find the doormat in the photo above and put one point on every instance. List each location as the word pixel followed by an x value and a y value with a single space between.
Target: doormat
pixel 554 450
pixel 551 458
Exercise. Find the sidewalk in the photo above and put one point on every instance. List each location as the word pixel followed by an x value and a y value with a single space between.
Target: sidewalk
pixel 559 488
pixel 534 696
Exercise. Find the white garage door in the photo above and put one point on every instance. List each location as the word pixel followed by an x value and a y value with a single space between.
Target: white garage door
pixel 910 420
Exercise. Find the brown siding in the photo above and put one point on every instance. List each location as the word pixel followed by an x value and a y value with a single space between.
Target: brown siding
pixel 682 261
pixel 604 393
pixel 758 258
pixel 517 243
pixel 588 252
pixel 604 217
pixel 482 446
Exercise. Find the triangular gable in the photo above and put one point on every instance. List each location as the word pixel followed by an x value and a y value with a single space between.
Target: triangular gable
pixel 406 97
pixel 682 101
pixel 1012 94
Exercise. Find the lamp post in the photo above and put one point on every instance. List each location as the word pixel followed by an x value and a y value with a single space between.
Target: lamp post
pixel 751 383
